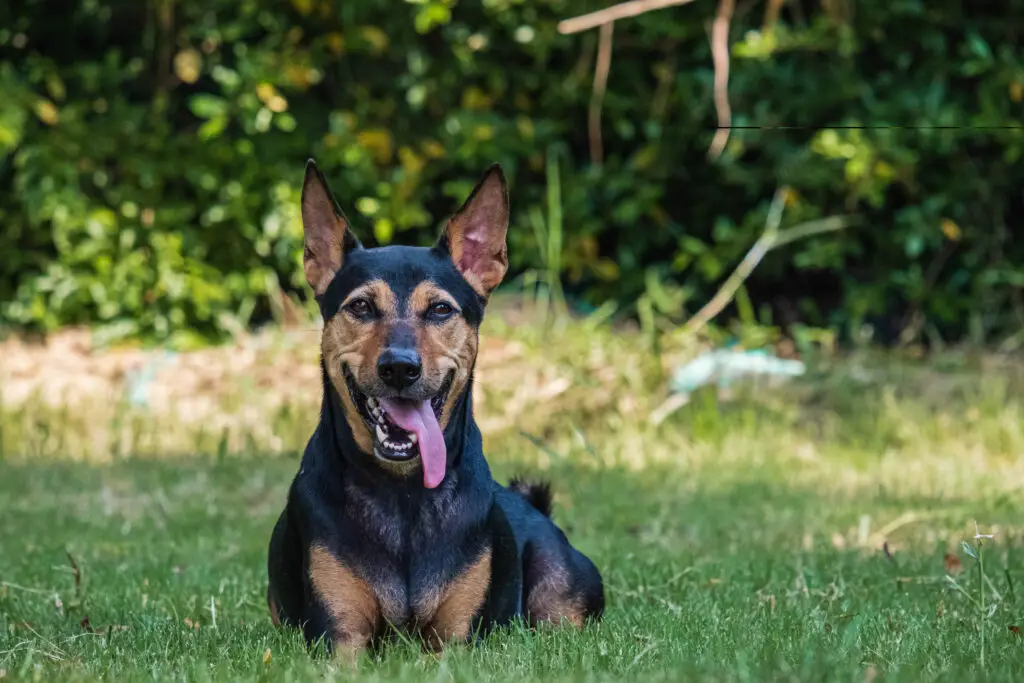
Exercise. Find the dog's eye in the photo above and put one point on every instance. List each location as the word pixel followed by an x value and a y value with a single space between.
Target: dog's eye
pixel 440 310
pixel 359 308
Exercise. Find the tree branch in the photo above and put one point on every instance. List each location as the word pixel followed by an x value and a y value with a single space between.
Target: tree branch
pixel 614 13
pixel 770 239
pixel 601 69
pixel 720 57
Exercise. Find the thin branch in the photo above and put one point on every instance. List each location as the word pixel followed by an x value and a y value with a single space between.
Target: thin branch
pixel 601 69
pixel 914 321
pixel 14 586
pixel 720 57
pixel 770 239
pixel 614 13
pixel 582 67
pixel 771 15
pixel 164 40
pixel 666 80
pixel 811 228
pixel 744 269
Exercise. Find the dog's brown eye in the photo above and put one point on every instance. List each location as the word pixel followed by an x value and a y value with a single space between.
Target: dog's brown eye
pixel 440 310
pixel 360 308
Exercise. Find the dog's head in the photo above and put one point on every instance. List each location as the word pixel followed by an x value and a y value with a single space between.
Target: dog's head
pixel 401 323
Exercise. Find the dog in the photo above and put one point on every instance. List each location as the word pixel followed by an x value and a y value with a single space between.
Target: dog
pixel 394 525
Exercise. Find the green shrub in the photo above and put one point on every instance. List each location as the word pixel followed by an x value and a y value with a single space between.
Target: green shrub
pixel 151 153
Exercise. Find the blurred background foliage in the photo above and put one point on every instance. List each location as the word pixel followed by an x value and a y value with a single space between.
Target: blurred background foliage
pixel 151 154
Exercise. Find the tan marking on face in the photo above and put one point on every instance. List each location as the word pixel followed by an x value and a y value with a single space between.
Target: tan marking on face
pixel 357 344
pixel 458 602
pixel 443 347
pixel 446 347
pixel 348 599
pixel 552 600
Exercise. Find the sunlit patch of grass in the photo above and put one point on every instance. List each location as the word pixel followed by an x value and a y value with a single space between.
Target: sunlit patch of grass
pixel 796 532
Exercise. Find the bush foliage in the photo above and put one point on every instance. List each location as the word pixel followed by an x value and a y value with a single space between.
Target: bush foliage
pixel 152 153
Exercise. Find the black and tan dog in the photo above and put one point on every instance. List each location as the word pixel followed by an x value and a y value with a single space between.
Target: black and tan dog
pixel 394 523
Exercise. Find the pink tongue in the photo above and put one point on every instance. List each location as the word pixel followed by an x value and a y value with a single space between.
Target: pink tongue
pixel 418 417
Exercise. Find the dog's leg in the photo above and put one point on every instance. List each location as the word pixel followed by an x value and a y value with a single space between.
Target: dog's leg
pixel 458 603
pixel 561 585
pixel 275 611
pixel 350 608
pixel 285 585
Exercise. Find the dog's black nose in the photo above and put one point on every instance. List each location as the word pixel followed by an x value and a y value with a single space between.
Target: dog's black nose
pixel 399 368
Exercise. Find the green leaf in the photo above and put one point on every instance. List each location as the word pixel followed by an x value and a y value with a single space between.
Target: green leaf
pixel 213 128
pixel 207 106
pixel 979 47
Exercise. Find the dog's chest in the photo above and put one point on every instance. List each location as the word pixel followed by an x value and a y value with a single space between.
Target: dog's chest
pixel 423 558
pixel 430 574
pixel 410 599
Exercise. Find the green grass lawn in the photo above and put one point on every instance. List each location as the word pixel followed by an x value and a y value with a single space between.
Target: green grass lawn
pixel 739 540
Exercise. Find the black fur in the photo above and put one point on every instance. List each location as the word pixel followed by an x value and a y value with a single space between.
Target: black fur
pixel 536 493
pixel 404 540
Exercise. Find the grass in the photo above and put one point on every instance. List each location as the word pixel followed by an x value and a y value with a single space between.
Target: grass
pixel 806 532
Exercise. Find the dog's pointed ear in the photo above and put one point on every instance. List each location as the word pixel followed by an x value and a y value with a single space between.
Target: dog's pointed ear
pixel 327 234
pixel 475 236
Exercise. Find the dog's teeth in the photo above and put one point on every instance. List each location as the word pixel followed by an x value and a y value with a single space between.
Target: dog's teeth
pixel 372 403
pixel 381 436
pixel 412 439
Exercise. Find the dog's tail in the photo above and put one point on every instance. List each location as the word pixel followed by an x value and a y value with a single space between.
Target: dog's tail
pixel 536 493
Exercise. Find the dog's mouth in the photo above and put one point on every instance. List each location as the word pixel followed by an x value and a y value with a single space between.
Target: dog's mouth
pixel 403 429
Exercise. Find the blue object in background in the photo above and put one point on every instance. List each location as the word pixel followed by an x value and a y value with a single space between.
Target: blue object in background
pixel 724 366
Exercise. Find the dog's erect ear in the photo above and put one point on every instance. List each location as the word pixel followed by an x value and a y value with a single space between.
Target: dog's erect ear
pixel 475 235
pixel 327 234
